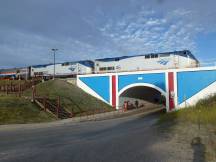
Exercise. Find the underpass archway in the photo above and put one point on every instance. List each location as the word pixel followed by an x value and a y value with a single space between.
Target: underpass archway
pixel 147 95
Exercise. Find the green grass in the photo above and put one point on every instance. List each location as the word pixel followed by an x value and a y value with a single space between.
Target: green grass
pixel 4 82
pixel 72 98
pixel 14 110
pixel 204 111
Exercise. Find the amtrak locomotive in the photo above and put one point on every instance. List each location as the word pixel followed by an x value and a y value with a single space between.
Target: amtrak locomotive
pixel 156 61
pixel 168 60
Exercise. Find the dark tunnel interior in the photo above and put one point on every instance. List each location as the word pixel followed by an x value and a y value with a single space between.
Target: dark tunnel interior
pixel 144 93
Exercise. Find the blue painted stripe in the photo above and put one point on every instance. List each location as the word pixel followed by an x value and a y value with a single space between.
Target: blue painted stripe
pixel 99 84
pixel 157 79
pixel 191 83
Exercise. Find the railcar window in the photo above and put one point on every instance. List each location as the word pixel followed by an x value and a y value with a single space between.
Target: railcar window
pixel 65 64
pixel 147 56
pixel 102 68
pixel 111 68
pixel 154 55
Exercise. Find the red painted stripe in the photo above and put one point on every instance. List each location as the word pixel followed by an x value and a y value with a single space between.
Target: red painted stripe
pixel 171 89
pixel 114 91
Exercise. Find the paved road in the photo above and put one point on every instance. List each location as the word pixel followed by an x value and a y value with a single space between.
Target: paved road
pixel 125 139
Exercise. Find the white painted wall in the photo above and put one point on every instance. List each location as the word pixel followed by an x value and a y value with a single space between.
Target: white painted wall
pixel 205 93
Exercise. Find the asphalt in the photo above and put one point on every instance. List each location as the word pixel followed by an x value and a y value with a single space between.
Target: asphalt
pixel 133 138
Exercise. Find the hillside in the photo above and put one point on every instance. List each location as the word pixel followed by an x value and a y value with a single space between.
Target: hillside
pixel 72 98
pixel 14 110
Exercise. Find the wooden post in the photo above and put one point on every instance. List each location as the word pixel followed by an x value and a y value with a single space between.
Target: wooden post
pixel 33 93
pixel 58 106
pixel 71 113
pixel 11 86
pixel 44 103
pixel 7 89
pixel 19 90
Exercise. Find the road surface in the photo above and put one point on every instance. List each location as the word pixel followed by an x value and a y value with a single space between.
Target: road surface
pixel 125 139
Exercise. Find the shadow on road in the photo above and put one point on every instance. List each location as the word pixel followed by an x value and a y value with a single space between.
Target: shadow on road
pixel 199 150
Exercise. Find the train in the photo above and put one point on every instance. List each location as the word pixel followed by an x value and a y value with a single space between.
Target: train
pixel 153 61
pixel 14 73
pixel 66 69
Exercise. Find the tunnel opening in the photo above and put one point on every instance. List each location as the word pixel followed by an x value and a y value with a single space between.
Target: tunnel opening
pixel 142 97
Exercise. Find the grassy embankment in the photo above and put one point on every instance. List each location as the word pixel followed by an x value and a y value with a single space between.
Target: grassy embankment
pixel 204 112
pixel 20 110
pixel 72 97
pixel 14 110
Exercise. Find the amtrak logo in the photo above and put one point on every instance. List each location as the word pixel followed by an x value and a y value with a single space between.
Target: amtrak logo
pixel 72 68
pixel 140 78
pixel 163 62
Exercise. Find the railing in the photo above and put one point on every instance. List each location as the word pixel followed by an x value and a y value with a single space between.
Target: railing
pixel 18 89
pixel 55 109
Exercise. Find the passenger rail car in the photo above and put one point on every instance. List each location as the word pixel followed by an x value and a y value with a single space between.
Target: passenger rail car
pixel 168 60
pixel 14 73
pixel 67 69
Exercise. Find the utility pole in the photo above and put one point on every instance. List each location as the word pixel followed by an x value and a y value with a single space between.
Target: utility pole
pixel 54 52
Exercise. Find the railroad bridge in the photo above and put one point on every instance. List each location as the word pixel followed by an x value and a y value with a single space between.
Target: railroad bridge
pixel 179 87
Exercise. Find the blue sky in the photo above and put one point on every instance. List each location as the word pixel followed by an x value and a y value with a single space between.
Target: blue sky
pixel 89 29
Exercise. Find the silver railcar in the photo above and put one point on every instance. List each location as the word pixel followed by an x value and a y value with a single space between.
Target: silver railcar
pixel 66 69
pixel 168 60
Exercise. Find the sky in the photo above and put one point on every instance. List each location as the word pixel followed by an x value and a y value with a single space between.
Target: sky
pixel 90 29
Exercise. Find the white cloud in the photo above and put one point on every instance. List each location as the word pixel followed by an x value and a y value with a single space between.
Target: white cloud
pixel 100 29
pixel 145 31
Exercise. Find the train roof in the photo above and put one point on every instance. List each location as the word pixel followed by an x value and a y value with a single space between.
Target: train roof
pixel 182 53
pixel 88 63
pixel 8 70
pixel 41 66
